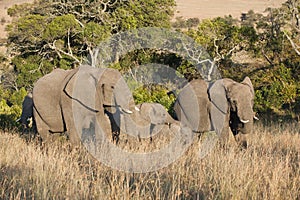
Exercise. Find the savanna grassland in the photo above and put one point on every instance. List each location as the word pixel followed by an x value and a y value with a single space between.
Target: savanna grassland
pixel 268 169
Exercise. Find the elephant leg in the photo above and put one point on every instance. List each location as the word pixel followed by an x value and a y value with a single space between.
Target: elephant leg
pixel 72 132
pixel 41 127
pixel 114 119
pixel 222 128
pixel 224 137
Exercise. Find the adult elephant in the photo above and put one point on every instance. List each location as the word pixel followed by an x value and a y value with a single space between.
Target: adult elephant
pixel 73 101
pixel 230 107
pixel 147 120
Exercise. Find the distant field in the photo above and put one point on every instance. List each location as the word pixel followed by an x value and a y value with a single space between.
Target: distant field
pixel 214 8
pixel 4 5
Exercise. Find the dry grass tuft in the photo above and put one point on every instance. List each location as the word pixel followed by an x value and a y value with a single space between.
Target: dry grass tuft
pixel 268 169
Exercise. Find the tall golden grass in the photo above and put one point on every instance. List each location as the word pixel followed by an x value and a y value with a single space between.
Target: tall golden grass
pixel 268 169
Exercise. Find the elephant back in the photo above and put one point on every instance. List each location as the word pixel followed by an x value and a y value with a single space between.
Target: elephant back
pixel 46 97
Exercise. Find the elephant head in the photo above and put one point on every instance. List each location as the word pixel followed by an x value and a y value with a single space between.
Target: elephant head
pixel 94 93
pixel 232 105
pixel 147 120
pixel 155 113
pixel 98 88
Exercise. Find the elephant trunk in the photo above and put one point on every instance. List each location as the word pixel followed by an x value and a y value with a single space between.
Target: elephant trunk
pixel 245 114
pixel 123 97
pixel 241 124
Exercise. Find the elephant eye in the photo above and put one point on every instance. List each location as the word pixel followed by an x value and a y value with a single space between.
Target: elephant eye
pixel 112 87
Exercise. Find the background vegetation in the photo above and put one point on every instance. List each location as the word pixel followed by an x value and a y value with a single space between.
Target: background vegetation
pixel 62 34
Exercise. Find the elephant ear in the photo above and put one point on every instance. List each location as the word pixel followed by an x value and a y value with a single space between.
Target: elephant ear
pixel 81 86
pixel 218 96
pixel 219 105
pixel 248 82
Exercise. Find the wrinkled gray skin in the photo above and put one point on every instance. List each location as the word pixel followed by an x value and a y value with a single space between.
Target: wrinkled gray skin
pixel 192 106
pixel 147 120
pixel 231 106
pixel 72 101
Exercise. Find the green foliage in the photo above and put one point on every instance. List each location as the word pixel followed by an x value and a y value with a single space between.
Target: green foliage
pixel 278 88
pixel 222 37
pixel 60 27
pixel 188 71
pixel 28 31
pixel 151 13
pixel 95 33
pixel 73 28
pixel 27 70
pixel 18 97
pixel 9 113
pixel 155 94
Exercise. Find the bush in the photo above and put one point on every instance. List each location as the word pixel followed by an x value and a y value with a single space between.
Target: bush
pixel 155 94
pixel 10 110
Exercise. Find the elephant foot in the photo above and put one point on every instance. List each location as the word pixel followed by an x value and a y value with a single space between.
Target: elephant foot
pixel 116 137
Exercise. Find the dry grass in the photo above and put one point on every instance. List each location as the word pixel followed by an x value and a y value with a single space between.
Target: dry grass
pixel 269 169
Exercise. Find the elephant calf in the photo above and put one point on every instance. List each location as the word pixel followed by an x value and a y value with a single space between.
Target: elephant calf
pixel 223 105
pixel 147 120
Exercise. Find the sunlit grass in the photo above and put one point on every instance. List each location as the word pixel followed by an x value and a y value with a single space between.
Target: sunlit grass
pixel 268 169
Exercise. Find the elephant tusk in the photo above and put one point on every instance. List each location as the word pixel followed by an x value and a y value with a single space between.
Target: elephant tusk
pixel 244 121
pixel 126 111
pixel 256 118
pixel 137 109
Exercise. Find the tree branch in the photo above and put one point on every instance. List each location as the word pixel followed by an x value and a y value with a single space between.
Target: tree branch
pixel 59 52
pixel 295 46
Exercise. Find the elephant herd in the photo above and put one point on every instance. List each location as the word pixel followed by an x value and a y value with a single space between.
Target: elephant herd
pixel 85 101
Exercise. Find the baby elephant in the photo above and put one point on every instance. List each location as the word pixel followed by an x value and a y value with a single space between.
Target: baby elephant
pixel 147 120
